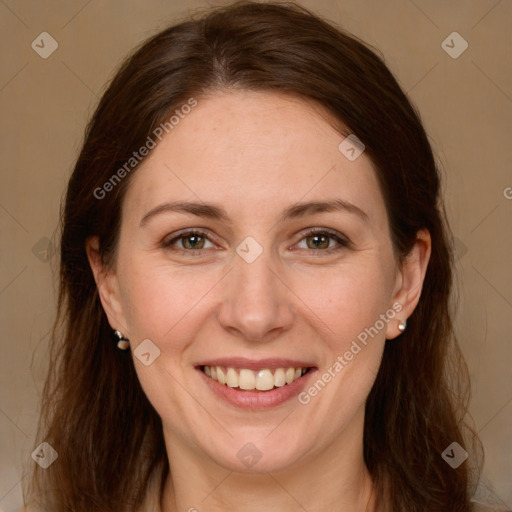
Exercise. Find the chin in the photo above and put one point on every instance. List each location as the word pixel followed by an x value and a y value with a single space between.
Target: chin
pixel 259 454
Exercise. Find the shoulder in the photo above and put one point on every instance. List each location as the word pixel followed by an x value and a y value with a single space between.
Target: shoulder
pixel 480 507
pixel 151 505
pixel 152 500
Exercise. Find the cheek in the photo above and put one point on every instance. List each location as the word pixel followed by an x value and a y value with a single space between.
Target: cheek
pixel 168 307
pixel 161 302
pixel 341 301
pixel 348 304
pixel 347 300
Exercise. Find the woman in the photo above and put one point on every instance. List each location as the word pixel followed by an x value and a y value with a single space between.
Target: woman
pixel 255 278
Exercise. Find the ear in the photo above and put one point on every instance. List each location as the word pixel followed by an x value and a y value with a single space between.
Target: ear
pixel 108 287
pixel 409 281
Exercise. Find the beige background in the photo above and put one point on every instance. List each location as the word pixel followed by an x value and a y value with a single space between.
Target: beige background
pixel 466 104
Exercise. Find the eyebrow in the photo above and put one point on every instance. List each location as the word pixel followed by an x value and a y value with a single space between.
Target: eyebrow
pixel 215 212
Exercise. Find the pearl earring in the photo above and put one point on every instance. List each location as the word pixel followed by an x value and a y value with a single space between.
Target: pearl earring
pixel 402 324
pixel 122 343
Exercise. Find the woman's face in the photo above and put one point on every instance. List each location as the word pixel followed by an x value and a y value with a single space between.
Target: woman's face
pixel 229 277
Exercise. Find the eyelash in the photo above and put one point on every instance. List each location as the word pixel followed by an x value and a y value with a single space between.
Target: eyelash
pixel 340 239
pixel 343 242
pixel 168 243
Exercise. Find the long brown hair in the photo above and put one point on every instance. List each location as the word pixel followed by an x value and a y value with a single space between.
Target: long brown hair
pixel 94 412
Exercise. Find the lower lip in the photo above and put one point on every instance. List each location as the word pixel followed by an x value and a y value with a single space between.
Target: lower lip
pixel 256 399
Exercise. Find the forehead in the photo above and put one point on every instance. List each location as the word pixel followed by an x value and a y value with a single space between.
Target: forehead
pixel 252 150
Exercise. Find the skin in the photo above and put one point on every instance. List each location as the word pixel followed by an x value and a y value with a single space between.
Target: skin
pixel 255 154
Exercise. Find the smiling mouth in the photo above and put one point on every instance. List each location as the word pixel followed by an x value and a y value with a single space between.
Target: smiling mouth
pixel 243 379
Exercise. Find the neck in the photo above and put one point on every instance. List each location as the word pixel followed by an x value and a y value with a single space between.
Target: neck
pixel 334 479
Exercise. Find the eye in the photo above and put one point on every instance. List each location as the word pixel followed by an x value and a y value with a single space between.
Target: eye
pixel 324 240
pixel 320 240
pixel 190 241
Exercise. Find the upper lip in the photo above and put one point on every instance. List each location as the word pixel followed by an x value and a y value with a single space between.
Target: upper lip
pixel 256 364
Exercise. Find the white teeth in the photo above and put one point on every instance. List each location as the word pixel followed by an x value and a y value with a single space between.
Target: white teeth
pixel 262 380
pixel 246 380
pixel 279 378
pixel 232 378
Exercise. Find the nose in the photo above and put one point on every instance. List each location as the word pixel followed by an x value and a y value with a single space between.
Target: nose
pixel 256 303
